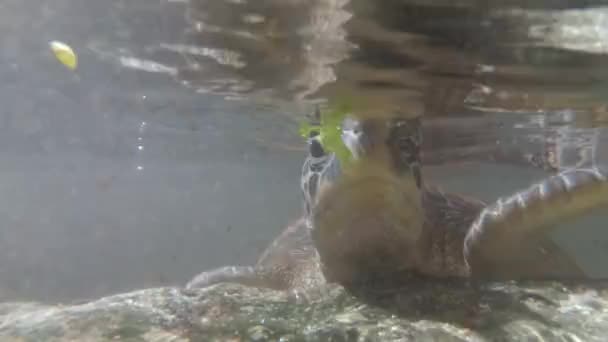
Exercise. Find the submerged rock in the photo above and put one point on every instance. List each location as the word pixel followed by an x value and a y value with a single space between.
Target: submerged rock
pixel 435 311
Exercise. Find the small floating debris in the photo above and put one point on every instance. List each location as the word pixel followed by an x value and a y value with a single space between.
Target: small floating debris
pixel 64 54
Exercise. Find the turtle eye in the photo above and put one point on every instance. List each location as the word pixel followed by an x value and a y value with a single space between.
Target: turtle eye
pixel 404 139
pixel 403 142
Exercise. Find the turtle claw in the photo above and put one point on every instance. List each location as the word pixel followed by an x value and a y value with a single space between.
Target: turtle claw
pixel 510 221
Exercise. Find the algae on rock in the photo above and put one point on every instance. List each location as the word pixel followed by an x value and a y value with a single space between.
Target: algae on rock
pixel 423 312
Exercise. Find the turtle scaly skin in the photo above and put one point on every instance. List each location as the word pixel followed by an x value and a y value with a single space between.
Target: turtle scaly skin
pixel 380 218
pixel 291 261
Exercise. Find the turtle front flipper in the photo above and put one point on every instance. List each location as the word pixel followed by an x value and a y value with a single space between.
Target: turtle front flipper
pixel 510 235
pixel 244 275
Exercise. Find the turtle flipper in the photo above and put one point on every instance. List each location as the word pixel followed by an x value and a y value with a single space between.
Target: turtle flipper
pixel 244 275
pixel 519 222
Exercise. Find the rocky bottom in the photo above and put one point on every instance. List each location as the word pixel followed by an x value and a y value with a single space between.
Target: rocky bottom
pixel 539 311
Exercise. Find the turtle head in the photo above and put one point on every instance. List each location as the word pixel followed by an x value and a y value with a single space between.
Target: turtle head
pixel 396 140
pixel 320 169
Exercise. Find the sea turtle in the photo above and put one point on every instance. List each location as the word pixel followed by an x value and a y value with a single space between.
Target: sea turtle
pixel 380 218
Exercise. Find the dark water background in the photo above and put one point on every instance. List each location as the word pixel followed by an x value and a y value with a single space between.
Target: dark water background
pixel 142 168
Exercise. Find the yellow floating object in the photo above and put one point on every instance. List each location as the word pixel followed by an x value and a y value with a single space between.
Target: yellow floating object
pixel 64 54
